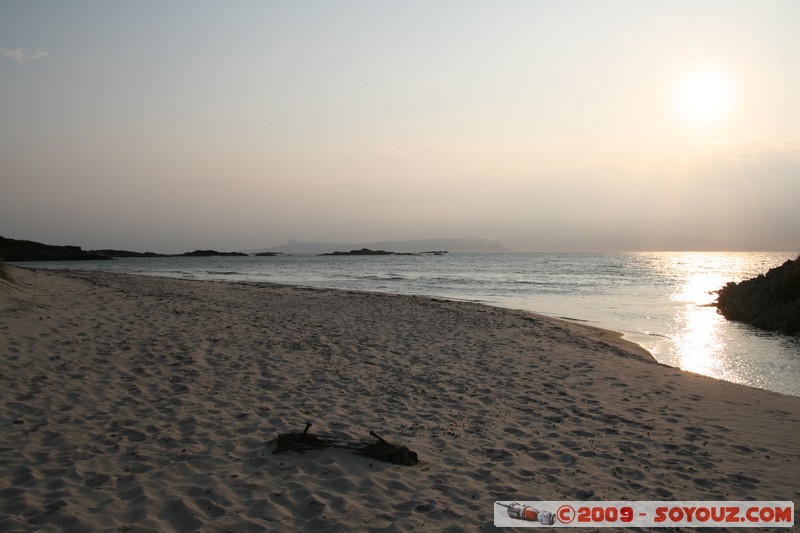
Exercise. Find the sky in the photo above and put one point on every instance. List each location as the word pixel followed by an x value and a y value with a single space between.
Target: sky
pixel 549 125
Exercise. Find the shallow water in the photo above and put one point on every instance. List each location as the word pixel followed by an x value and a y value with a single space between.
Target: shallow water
pixel 657 299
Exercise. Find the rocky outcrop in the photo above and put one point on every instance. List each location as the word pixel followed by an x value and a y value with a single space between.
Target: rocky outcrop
pixel 770 302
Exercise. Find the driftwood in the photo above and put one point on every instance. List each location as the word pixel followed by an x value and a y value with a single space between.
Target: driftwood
pixel 379 449
pixel 388 452
pixel 301 442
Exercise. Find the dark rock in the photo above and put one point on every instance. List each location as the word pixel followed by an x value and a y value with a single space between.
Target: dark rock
pixel 770 302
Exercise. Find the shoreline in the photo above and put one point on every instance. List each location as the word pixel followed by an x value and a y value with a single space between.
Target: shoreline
pixel 570 320
pixel 656 300
pixel 151 402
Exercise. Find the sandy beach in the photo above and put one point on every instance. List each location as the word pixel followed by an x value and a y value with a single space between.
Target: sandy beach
pixel 151 404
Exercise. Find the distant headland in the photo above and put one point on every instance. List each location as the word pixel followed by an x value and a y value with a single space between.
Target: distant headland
pixel 22 250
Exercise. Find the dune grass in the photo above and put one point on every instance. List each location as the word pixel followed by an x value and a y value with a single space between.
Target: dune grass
pixel 4 275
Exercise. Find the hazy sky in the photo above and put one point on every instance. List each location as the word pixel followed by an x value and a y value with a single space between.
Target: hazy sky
pixel 169 126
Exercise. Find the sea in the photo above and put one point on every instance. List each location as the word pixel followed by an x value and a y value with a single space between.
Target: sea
pixel 660 300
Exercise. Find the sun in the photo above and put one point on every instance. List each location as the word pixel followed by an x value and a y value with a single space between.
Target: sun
pixel 704 96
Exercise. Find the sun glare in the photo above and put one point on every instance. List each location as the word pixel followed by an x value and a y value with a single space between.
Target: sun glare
pixel 704 96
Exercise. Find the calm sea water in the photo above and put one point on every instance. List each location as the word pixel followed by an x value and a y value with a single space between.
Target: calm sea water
pixel 659 300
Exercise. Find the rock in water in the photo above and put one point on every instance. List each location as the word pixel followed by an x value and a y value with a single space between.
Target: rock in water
pixel 770 302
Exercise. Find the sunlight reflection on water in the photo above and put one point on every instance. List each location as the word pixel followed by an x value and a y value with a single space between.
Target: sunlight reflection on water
pixel 699 343
pixel 699 346
pixel 702 340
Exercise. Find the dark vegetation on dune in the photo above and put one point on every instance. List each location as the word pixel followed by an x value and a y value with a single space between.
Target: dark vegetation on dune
pixel 22 250
pixel 4 272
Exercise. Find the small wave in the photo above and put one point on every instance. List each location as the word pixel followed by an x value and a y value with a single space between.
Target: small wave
pixel 453 281
pixel 572 319
pixel 384 278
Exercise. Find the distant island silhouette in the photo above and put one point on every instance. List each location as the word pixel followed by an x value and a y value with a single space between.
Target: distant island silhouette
pixel 211 253
pixel 367 251
pixel 407 246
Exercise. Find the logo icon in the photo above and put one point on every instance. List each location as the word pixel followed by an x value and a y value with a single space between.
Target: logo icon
pixel 527 513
